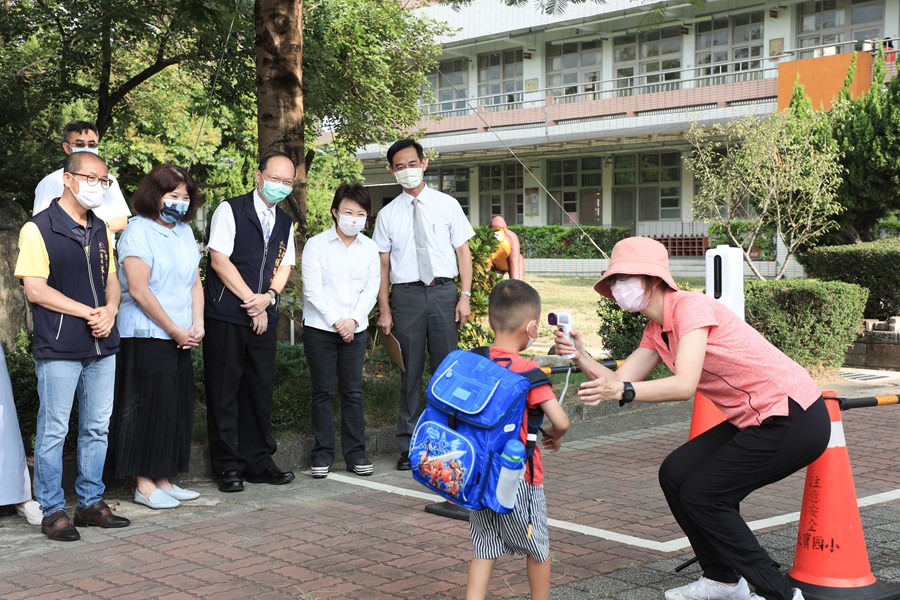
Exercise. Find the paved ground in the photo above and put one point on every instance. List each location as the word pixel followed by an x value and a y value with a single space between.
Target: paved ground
pixel 369 538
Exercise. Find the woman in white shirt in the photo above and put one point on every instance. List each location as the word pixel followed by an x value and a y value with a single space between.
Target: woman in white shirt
pixel 341 275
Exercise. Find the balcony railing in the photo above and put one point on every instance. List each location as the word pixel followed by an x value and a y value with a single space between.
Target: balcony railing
pixel 694 77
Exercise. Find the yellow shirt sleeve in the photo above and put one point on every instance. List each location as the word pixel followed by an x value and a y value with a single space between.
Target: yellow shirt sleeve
pixel 111 244
pixel 33 259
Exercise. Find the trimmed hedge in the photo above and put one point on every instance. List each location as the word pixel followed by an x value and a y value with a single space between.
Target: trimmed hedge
pixel 813 322
pixel 873 265
pixel 556 241
pixel 888 228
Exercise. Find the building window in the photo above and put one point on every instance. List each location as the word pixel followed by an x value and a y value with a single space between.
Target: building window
pixel 576 183
pixel 647 63
pixel 453 182
pixel 500 80
pixel 625 60
pixel 661 60
pixel 501 192
pixel 660 186
pixel 729 49
pixel 825 26
pixel 653 180
pixel 573 68
pixel 450 83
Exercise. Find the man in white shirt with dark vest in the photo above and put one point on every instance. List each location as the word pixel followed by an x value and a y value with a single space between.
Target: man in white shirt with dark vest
pixel 423 239
pixel 81 136
pixel 251 252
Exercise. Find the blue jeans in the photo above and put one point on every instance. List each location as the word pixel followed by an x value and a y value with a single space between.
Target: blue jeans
pixel 58 381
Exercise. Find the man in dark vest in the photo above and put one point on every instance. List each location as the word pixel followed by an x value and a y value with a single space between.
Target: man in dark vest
pixel 251 252
pixel 66 266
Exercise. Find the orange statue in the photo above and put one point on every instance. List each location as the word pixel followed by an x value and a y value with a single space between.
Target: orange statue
pixel 508 257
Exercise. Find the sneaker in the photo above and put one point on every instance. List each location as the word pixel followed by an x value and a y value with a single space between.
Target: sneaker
pixel 360 465
pixel 707 589
pixel 31 510
pixel 320 469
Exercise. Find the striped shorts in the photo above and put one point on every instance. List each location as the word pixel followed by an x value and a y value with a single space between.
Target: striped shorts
pixel 495 535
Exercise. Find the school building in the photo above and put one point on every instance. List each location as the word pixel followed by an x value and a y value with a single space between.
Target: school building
pixel 595 103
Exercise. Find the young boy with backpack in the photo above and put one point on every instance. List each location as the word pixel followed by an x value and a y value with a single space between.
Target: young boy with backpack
pixel 514 312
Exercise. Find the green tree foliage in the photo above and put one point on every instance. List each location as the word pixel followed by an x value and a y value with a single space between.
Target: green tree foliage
pixel 868 132
pixel 332 167
pixel 365 67
pixel 780 172
pixel 144 72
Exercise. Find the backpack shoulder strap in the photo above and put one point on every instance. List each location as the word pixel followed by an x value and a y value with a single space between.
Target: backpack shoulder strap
pixel 482 351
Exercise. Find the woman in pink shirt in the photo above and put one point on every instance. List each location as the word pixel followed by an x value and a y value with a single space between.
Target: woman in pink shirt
pixel 776 420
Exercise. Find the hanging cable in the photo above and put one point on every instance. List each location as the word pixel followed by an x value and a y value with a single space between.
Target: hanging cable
pixel 212 86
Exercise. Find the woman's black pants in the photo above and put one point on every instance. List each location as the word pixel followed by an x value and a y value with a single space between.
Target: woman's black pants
pixel 705 480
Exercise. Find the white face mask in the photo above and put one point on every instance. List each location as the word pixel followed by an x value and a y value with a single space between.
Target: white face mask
pixel 629 294
pixel 409 179
pixel 537 333
pixel 89 196
pixel 350 224
pixel 91 149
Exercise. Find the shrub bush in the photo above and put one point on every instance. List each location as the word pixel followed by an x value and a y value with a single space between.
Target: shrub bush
pixel 873 265
pixel 476 332
pixel 20 365
pixel 888 228
pixel 556 241
pixel 813 322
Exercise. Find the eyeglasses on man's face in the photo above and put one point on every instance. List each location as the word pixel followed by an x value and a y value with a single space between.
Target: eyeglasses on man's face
pixel 93 180
pixel 274 179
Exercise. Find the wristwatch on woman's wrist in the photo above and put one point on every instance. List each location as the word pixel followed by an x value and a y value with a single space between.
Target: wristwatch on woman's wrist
pixel 627 393
pixel 273 295
pixel 465 293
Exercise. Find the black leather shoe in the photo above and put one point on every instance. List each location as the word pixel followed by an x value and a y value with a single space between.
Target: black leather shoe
pixel 99 514
pixel 403 462
pixel 59 528
pixel 231 481
pixel 273 476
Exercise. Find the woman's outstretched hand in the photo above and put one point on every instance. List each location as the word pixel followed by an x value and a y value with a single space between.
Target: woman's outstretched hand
pixel 593 392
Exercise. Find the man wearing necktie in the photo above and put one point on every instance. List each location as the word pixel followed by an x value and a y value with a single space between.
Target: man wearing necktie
pixel 423 239
pixel 251 252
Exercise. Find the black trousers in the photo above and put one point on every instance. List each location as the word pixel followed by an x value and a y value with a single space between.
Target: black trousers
pixel 705 480
pixel 239 367
pixel 424 317
pixel 330 358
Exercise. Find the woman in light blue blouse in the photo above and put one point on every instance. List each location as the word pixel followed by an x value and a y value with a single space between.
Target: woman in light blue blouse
pixel 160 320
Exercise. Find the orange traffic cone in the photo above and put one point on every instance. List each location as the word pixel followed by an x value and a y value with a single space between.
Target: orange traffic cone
pixel 706 415
pixel 831 560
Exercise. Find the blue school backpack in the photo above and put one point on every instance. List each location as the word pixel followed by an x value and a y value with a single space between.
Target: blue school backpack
pixel 475 405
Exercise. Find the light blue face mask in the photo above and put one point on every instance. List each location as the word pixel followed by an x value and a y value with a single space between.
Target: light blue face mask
pixel 275 192
pixel 92 150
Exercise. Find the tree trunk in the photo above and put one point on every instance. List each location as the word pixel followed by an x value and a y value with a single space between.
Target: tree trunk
pixel 279 91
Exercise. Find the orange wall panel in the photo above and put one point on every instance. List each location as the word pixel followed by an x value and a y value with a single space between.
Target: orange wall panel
pixel 824 77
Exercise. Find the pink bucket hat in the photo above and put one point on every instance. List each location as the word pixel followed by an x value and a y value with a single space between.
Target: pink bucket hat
pixel 636 256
